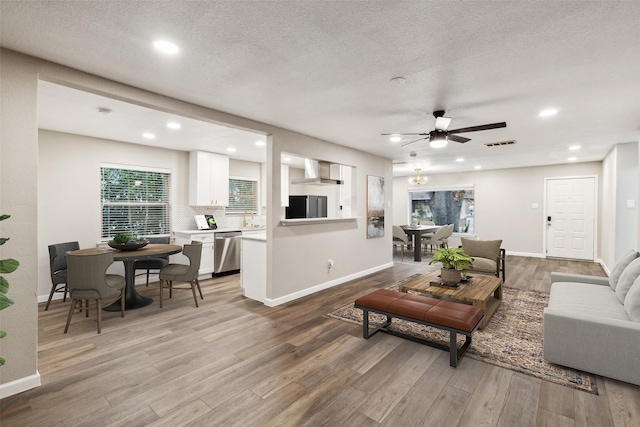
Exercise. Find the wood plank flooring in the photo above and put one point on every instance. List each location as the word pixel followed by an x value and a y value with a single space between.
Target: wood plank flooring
pixel 236 362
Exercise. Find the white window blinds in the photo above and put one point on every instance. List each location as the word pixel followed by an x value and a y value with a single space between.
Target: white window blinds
pixel 243 196
pixel 135 200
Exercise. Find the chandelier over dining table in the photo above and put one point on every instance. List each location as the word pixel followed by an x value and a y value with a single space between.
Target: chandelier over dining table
pixel 418 179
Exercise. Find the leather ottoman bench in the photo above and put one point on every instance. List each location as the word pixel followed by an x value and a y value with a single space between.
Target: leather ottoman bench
pixel 457 318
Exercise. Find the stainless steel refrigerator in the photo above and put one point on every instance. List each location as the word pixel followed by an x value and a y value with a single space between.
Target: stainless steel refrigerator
pixel 306 207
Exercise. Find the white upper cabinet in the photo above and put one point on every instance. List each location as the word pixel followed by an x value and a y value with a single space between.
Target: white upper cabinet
pixel 208 179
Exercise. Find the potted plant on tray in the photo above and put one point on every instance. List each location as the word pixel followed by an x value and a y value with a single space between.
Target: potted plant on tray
pixel 454 263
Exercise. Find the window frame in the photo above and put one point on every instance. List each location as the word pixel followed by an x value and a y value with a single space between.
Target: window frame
pixel 106 233
pixel 434 188
pixel 230 208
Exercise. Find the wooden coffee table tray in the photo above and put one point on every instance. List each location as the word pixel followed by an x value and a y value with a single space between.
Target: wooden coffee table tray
pixel 481 291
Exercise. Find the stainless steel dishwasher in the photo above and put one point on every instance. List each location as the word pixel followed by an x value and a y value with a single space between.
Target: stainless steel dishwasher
pixel 227 251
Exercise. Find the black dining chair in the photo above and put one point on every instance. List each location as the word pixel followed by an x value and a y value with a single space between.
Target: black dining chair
pixel 153 263
pixel 58 268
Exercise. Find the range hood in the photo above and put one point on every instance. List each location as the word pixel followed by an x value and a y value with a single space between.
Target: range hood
pixel 317 172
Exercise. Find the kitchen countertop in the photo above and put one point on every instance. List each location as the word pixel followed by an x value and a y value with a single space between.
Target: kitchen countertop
pixel 262 237
pixel 221 230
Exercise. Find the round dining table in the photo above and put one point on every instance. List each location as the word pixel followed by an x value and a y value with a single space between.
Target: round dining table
pixel 417 231
pixel 132 299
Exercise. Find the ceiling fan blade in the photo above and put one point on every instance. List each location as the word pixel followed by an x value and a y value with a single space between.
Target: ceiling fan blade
pixel 419 139
pixel 442 123
pixel 456 138
pixel 477 128
pixel 387 134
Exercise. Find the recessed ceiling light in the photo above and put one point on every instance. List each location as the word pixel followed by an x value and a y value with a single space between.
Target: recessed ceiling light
pixel 148 135
pixel 574 147
pixel 477 167
pixel 259 143
pixel 231 149
pixel 174 125
pixel 166 47
pixel 548 112
pixel 395 138
pixel 459 159
pixel 572 159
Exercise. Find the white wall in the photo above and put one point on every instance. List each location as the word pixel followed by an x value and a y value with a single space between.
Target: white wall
pixel 606 236
pixel 626 233
pixel 503 202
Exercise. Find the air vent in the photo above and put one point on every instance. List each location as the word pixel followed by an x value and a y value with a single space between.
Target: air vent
pixel 495 144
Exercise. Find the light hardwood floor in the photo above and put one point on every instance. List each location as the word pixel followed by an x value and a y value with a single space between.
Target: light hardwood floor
pixel 233 361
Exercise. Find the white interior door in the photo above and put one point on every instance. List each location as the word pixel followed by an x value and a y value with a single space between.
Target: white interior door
pixel 570 218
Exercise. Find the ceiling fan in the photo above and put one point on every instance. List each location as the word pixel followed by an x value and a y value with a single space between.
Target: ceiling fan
pixel 440 136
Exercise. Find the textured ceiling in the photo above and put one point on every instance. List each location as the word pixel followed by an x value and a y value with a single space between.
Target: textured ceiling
pixel 324 68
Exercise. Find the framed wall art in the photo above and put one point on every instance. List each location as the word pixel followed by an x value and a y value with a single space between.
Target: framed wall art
pixel 375 206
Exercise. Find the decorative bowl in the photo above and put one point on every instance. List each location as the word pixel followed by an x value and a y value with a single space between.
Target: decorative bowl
pixel 129 246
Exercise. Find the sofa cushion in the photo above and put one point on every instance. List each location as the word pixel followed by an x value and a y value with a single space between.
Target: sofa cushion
pixel 586 299
pixel 484 264
pixel 632 301
pixel 620 266
pixel 489 249
pixel 628 276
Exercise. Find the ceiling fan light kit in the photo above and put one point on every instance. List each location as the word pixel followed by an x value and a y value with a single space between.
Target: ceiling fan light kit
pixel 438 139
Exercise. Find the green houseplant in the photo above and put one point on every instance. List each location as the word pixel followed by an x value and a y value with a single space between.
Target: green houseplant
pixel 454 263
pixel 6 266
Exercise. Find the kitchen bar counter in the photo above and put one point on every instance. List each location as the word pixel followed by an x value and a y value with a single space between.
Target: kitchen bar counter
pixel 253 270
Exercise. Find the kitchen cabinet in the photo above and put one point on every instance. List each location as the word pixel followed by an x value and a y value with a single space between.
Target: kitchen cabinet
pixel 207 239
pixel 253 270
pixel 208 179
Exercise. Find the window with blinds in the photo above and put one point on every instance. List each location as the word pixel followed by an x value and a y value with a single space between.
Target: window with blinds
pixel 243 196
pixel 135 201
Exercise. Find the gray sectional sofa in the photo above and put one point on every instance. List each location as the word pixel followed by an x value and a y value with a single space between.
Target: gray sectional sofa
pixel 593 323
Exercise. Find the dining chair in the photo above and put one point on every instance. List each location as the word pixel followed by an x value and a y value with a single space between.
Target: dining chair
pixel 444 240
pixel 400 239
pixel 58 268
pixel 87 279
pixel 436 238
pixel 183 272
pixel 153 263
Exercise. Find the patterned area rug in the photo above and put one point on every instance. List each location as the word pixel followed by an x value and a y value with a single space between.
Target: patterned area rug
pixel 512 339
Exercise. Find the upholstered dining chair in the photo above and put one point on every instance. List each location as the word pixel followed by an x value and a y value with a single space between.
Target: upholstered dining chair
pixel 87 279
pixel 183 273
pixel 400 239
pixel 58 268
pixel 444 240
pixel 153 263
pixel 436 238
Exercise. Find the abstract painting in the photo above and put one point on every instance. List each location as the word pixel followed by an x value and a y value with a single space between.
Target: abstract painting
pixel 375 206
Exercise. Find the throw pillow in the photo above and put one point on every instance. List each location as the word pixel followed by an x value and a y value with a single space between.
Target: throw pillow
pixel 482 248
pixel 632 301
pixel 627 278
pixel 620 266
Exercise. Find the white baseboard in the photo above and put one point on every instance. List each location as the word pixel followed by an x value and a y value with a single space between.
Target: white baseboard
pixel 529 254
pixel 20 385
pixel 303 293
pixel 604 266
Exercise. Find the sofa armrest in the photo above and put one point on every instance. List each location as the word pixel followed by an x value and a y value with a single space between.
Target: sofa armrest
pixel 579 278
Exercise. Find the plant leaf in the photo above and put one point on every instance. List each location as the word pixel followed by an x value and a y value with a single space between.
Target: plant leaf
pixel 3 239
pixel 4 216
pixel 1 361
pixel 8 265
pixel 5 302
pixel 4 285
pixel 2 334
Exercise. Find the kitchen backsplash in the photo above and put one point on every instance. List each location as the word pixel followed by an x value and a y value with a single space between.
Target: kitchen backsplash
pixel 183 217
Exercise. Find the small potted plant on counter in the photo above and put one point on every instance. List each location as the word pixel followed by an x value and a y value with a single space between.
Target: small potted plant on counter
pixel 454 263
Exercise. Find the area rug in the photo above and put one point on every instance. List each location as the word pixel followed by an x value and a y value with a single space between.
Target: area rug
pixel 512 339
